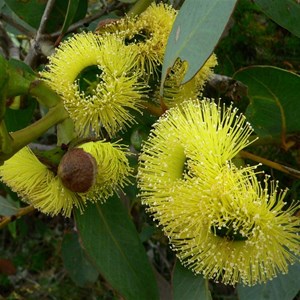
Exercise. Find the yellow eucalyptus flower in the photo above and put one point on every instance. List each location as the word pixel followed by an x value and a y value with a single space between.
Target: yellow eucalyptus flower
pixel 219 219
pixel 147 34
pixel 40 186
pixel 231 228
pixel 98 82
pixel 37 185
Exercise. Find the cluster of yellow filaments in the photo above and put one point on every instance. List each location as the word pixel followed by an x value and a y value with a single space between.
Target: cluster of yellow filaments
pixel 221 221
pixel 105 99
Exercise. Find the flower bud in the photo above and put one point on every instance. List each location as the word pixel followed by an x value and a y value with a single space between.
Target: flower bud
pixel 77 170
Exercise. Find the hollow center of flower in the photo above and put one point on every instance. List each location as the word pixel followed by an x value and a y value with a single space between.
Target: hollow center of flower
pixel 231 233
pixel 88 79
pixel 139 37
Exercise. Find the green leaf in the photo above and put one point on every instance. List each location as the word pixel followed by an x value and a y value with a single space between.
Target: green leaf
pixel 138 136
pixel 111 241
pixel 19 119
pixel 8 207
pixel 274 99
pixel 70 15
pixel 81 271
pixel 284 12
pixel 284 287
pixel 196 32
pixel 3 85
pixel 31 12
pixel 187 285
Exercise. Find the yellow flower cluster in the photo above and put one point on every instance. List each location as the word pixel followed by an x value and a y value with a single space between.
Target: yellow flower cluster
pixel 220 219
pixel 102 78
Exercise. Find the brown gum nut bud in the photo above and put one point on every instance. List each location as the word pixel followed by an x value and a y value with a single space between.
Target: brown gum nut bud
pixel 77 170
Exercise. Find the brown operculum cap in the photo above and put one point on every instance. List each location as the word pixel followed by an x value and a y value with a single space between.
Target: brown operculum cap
pixel 77 170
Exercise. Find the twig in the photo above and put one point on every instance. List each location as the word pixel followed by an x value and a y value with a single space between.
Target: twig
pixel 7 45
pixel 45 18
pixel 13 23
pixel 41 147
pixel 22 212
pixel 227 86
pixel 86 20
pixel 35 46
pixel 153 109
pixel 290 171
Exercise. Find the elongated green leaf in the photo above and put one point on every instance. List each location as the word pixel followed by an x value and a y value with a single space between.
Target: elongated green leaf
pixel 75 261
pixel 111 241
pixel 284 12
pixel 196 32
pixel 274 99
pixel 70 15
pixel 8 207
pixel 186 285
pixel 284 287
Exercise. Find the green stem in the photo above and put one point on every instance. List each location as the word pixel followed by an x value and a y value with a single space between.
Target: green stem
pixel 44 94
pixel 139 7
pixel 26 135
pixel 23 137
pixel 18 82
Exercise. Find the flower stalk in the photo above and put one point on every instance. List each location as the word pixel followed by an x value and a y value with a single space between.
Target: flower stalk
pixel 44 94
pixel 26 135
pixel 22 212
pixel 287 170
pixel 139 7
